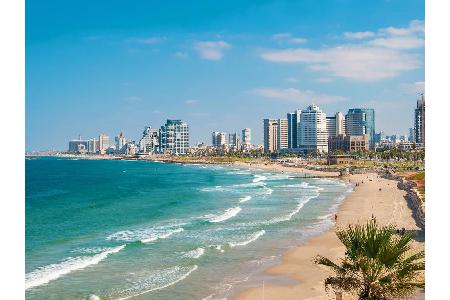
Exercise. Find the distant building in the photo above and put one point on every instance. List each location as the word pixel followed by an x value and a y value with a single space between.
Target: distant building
pixel 293 120
pixel 361 121
pixel 92 146
pixel 412 135
pixel 246 138
pixel 312 130
pixel 103 141
pixel 378 137
pixel 130 149
pixel 349 143
pixel 336 125
pixel 419 121
pixel 121 141
pixel 282 134
pixel 149 142
pixel 174 137
pixel 234 141
pixel 340 159
pixel 270 135
pixel 78 146
pixel 219 139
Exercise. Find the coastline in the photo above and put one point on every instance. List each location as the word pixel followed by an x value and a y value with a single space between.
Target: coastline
pixel 389 206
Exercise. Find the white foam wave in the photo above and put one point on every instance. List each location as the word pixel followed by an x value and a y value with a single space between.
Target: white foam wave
pixel 292 213
pixel 259 178
pixel 267 191
pixel 161 236
pixel 245 199
pixel 252 184
pixel 229 213
pixel 146 235
pixel 324 217
pixel 196 253
pixel 217 188
pixel 252 238
pixel 157 282
pixel 52 272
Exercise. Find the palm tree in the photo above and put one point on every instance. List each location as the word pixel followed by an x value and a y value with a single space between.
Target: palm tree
pixel 378 263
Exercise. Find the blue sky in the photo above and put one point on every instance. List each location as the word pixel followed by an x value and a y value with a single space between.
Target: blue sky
pixel 107 66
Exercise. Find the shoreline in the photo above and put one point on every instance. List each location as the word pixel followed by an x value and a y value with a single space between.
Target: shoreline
pixel 389 206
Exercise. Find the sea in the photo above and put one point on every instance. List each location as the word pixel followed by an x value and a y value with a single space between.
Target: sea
pixel 118 229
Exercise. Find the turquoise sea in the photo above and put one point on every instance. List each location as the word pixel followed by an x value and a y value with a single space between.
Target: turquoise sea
pixel 101 229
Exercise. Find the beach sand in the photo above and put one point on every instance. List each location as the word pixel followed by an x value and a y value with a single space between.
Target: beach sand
pixel 388 206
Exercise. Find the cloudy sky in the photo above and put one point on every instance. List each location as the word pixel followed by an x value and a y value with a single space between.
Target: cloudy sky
pixel 107 66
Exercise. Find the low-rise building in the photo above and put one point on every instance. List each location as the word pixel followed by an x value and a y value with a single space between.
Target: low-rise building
pixel 349 143
pixel 340 159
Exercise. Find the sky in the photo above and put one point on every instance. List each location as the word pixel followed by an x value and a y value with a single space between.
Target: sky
pixel 111 66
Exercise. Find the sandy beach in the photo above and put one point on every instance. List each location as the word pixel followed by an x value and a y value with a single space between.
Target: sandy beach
pixel 388 206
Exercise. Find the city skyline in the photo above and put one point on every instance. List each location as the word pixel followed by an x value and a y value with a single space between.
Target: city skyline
pixel 224 68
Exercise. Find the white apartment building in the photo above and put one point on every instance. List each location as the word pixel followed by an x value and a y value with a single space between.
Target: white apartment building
pixel 312 130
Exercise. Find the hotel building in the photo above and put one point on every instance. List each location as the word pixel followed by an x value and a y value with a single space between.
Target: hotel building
pixel 293 120
pixel 419 121
pixel 361 121
pixel 312 130
pixel 174 137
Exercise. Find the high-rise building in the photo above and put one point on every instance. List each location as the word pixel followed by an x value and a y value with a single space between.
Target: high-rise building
pixel 270 135
pixel 419 121
pixel 246 136
pixel 219 139
pixel 121 141
pixel 360 121
pixel 312 130
pixel 103 141
pixel 293 120
pixel 282 134
pixel 412 135
pixel 78 146
pixel 336 125
pixel 234 141
pixel 92 146
pixel 149 142
pixel 246 139
pixel 174 137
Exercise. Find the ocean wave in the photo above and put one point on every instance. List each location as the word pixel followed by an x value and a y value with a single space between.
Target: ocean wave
pixel 245 199
pixel 252 238
pixel 217 188
pixel 196 253
pixel 250 185
pixel 146 235
pixel 259 178
pixel 267 191
pixel 44 275
pixel 159 280
pixel 229 213
pixel 292 213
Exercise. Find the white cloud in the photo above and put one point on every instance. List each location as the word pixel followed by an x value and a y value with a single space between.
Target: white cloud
pixel 191 102
pixel 288 38
pixel 212 50
pixel 296 95
pixel 399 42
pixel 386 55
pixel 325 79
pixel 360 63
pixel 358 35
